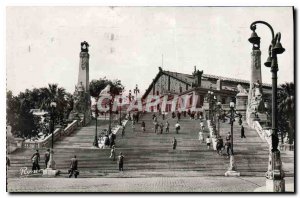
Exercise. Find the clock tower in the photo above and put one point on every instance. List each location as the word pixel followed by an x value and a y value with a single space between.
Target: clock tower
pixel 82 99
pixel 83 74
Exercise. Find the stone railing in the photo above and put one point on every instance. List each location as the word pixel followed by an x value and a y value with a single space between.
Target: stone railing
pixel 212 135
pixel 264 134
pixel 58 133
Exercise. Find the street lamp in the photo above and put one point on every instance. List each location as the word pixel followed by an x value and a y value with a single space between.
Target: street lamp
pixel 136 91
pixel 120 111
pixel 50 170
pixel 275 175
pixel 211 101
pixel 232 114
pixel 218 111
pixel 53 106
pixel 95 143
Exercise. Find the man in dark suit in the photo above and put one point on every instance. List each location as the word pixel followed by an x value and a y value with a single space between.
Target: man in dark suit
pixel 121 161
pixel 47 157
pixel 73 167
pixel 243 132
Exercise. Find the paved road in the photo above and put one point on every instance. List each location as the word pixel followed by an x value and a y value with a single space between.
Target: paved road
pixel 154 184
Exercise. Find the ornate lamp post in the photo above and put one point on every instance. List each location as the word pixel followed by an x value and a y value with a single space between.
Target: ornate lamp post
pixel 50 170
pixel 232 114
pixel 275 176
pixel 52 116
pixel 211 98
pixel 211 101
pixel 218 111
pixel 120 111
pixel 110 117
pixel 129 101
pixel 136 91
pixel 129 96
pixel 95 143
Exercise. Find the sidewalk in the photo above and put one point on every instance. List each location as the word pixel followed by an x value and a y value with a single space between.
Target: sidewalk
pixel 154 184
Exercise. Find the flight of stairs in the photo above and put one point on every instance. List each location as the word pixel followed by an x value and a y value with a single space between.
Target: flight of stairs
pixel 148 154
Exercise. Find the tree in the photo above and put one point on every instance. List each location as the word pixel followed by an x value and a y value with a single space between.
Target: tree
pixel 96 86
pixel 53 93
pixel 286 110
pixel 19 117
pixel 19 114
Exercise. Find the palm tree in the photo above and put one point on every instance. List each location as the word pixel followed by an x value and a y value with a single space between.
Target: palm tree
pixel 286 108
pixel 53 93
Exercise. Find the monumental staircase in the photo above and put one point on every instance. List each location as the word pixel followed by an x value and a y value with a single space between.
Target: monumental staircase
pixel 148 154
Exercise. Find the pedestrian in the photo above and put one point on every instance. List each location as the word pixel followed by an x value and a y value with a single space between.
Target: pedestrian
pixel 121 161
pixel 219 145
pixel 106 141
pixel 74 167
pixel 243 132
pixel 208 142
pixel 174 143
pixel 153 116
pixel 113 153
pixel 47 157
pixel 167 127
pixel 177 127
pixel 35 161
pixel 228 147
pixel 173 115
pixel 143 126
pixel 198 115
pixel 123 130
pixel 202 125
pixel 155 127
pixel 228 137
pixel 129 117
pixel 163 115
pixel 161 128
pixel 178 115
pixel 193 115
pixel 201 137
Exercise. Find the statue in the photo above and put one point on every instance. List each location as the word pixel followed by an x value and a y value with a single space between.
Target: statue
pixel 241 89
pixel 256 103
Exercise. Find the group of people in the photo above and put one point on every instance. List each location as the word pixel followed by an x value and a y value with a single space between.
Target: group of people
pixel 35 159
pixel 220 144
pixel 106 141
pixel 159 127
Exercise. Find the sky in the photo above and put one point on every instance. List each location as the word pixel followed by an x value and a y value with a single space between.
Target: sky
pixel 127 43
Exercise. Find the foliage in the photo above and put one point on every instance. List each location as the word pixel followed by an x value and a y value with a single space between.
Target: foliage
pixel 24 123
pixel 96 86
pixel 286 110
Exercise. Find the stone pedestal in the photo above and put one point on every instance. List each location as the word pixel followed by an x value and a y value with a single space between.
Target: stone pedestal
pixel 275 174
pixel 50 172
pixel 232 172
pixel 275 185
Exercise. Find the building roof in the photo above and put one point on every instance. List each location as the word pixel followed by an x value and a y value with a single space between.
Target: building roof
pixel 189 79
